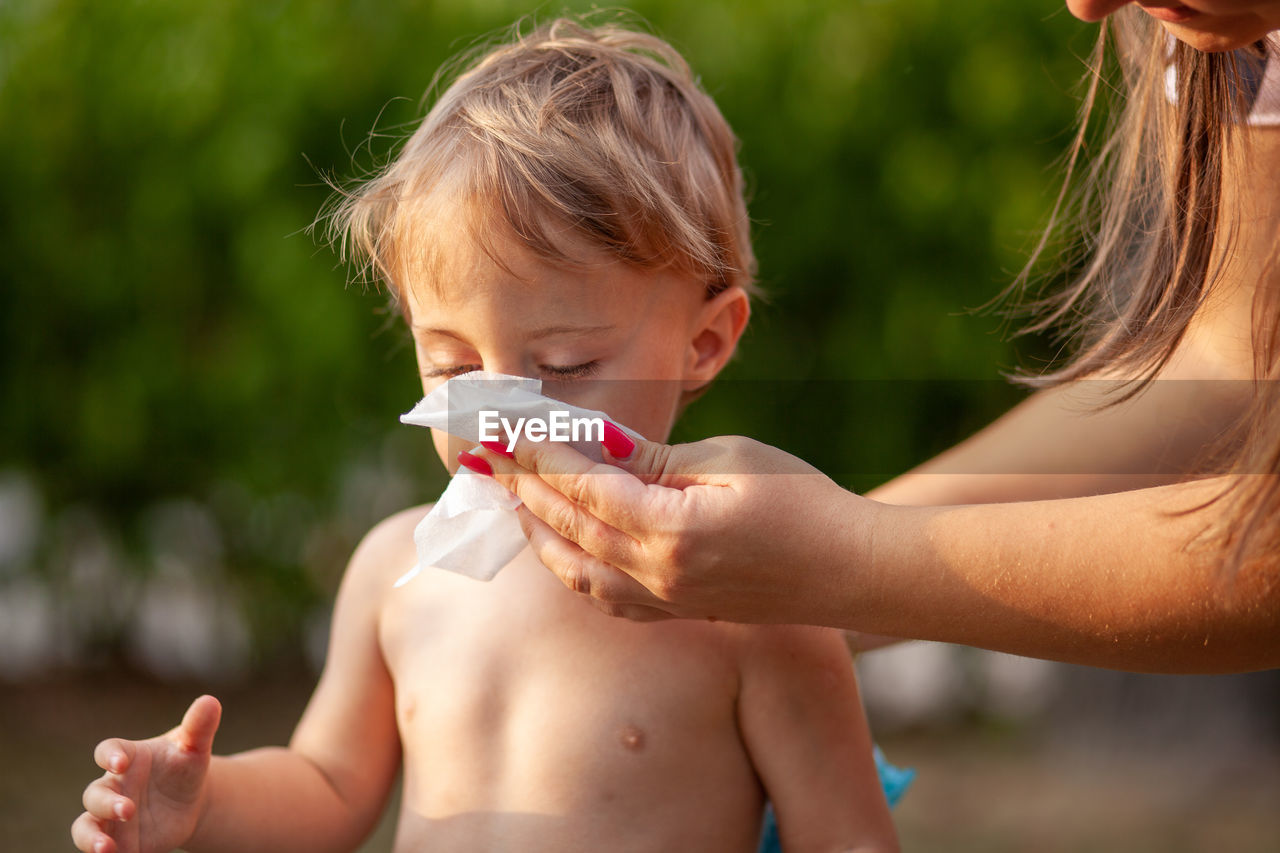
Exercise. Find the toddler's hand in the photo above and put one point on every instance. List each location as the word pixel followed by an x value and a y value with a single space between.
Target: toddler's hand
pixel 153 792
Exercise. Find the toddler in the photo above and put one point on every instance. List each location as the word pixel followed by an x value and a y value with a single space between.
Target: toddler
pixel 570 209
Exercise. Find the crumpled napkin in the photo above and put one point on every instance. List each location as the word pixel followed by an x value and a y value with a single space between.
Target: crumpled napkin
pixel 473 529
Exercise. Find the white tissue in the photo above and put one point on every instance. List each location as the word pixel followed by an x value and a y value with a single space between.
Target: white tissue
pixel 473 529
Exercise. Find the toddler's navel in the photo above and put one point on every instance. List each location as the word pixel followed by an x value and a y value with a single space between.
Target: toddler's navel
pixel 632 737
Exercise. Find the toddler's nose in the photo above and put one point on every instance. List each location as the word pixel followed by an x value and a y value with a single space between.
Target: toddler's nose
pixel 509 364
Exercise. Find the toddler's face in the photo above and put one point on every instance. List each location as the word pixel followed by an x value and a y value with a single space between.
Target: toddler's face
pixel 574 329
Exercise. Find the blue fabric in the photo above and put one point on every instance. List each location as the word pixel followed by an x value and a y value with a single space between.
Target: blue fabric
pixel 894 781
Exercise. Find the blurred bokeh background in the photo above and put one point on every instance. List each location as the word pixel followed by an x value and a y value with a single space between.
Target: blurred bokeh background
pixel 200 416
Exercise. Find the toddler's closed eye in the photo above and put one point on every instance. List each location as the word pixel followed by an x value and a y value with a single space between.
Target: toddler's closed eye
pixel 573 371
pixel 448 372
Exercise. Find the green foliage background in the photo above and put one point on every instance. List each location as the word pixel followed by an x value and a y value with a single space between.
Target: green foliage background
pixel 171 332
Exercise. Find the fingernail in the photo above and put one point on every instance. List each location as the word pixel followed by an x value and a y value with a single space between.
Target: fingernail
pixel 497 447
pixel 99 847
pixel 119 809
pixel 617 442
pixel 115 763
pixel 475 463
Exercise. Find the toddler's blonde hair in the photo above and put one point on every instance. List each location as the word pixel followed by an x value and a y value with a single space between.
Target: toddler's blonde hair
pixel 565 135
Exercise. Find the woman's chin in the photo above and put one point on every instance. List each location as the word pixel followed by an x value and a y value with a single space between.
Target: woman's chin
pixel 1209 36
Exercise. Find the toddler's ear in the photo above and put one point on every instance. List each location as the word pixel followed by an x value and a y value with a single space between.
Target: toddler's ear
pixel 720 323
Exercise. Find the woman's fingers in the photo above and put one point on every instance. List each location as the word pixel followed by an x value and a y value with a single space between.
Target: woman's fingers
pixel 677 466
pixel 604 532
pixel 643 459
pixel 616 592
pixel 608 492
pixel 708 529
pixel 592 504
pixel 114 754
pixel 103 800
pixel 632 612
pixel 91 835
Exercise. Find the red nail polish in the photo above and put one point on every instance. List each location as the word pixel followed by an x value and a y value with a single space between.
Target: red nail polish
pixel 617 442
pixel 498 447
pixel 475 463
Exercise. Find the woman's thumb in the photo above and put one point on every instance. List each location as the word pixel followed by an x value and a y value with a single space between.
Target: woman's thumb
pixel 200 724
pixel 652 462
pixel 632 453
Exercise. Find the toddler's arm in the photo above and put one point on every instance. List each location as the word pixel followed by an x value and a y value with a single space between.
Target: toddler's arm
pixel 802 720
pixel 324 792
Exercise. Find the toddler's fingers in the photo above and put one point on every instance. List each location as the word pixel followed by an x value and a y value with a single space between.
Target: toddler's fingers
pixel 91 835
pixel 114 754
pixel 102 800
pixel 200 724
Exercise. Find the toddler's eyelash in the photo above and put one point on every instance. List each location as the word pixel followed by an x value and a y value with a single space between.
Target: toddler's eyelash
pixel 449 372
pixel 574 371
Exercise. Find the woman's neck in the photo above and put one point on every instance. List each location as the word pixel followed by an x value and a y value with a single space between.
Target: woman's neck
pixel 1251 197
pixel 1245 253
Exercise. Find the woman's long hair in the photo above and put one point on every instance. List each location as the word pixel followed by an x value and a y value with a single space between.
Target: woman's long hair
pixel 1144 217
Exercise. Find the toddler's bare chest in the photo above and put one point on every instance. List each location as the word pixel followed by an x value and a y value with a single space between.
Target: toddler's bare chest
pixel 520 674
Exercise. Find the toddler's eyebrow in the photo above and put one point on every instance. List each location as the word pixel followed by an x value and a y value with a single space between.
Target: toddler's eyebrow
pixel 549 331
pixel 544 332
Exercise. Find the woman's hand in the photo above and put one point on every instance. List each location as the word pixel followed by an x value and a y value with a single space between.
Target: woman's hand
pixel 726 528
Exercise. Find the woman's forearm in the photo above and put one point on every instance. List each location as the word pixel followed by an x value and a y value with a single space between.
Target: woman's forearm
pixel 1112 580
pixel 275 799
pixel 1062 443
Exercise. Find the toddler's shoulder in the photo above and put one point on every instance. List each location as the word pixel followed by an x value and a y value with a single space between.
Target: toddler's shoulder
pixel 789 648
pixel 386 552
